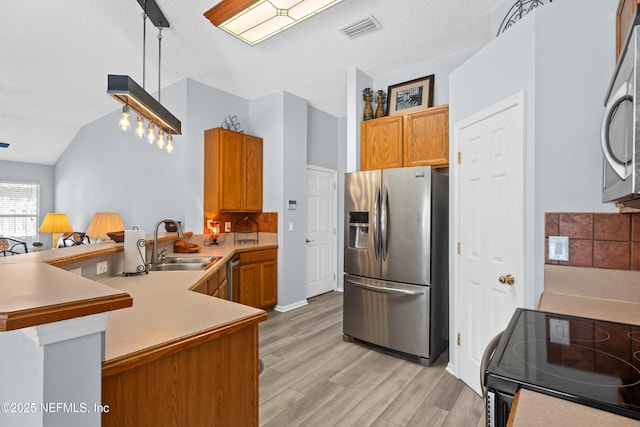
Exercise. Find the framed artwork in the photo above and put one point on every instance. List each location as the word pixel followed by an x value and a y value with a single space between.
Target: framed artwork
pixel 407 97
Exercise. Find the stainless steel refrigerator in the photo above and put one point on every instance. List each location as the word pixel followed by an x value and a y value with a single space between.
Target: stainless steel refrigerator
pixel 396 287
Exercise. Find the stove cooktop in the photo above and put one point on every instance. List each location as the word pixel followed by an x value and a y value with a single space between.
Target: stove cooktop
pixel 588 361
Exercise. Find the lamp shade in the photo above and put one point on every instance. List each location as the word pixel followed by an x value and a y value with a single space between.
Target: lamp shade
pixel 103 223
pixel 55 223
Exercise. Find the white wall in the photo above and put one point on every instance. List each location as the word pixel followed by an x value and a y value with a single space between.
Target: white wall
pixel 322 144
pixel 357 81
pixel 281 120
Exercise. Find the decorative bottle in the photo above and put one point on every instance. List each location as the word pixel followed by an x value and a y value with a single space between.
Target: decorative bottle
pixel 368 107
pixel 380 107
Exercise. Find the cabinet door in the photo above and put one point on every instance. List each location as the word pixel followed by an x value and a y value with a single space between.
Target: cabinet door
pixel 231 170
pixel 426 137
pixel 222 290
pixel 253 175
pixel 269 284
pixel 249 284
pixel 381 143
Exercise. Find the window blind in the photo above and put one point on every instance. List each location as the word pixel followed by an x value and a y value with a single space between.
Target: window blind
pixel 19 210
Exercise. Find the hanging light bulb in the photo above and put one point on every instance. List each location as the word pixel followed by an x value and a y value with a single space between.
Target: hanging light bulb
pixel 140 127
pixel 169 144
pixel 151 135
pixel 124 118
pixel 160 143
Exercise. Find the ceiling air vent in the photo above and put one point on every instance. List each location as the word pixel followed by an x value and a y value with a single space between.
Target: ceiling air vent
pixel 361 27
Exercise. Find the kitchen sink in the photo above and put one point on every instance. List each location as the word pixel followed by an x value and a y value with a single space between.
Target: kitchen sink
pixel 192 259
pixel 185 263
pixel 178 266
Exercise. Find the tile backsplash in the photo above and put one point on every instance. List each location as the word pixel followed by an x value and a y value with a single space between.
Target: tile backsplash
pixel 602 240
pixel 267 221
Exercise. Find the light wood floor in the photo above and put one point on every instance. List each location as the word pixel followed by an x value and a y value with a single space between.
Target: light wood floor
pixel 313 378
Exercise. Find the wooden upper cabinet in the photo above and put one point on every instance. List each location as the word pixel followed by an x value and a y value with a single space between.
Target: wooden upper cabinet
pixel 426 137
pixel 253 174
pixel 232 171
pixel 381 143
pixel 624 20
pixel 416 139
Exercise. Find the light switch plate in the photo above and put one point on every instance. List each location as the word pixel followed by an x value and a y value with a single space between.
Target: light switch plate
pixel 559 248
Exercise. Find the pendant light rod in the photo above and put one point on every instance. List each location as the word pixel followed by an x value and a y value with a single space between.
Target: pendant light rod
pixel 159 58
pixel 144 48
pixel 154 13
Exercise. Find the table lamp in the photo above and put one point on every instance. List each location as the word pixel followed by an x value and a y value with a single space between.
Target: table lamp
pixel 55 223
pixel 103 223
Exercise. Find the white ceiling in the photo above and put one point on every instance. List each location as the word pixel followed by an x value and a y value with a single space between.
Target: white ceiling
pixel 55 57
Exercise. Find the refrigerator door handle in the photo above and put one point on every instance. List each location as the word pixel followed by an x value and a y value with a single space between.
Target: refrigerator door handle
pixel 384 222
pixel 376 235
pixel 384 290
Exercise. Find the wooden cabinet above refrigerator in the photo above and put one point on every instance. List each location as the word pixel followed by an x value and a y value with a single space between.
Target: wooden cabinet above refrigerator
pixel 232 171
pixel 416 139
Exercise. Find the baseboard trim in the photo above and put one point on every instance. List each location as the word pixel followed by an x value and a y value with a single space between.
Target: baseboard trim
pixel 289 307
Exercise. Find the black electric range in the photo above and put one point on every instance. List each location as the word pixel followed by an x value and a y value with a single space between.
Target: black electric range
pixel 587 361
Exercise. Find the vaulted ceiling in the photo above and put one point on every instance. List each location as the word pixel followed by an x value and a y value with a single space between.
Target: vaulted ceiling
pixel 55 57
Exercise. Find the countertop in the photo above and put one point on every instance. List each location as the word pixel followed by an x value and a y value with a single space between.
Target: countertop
pixel 34 293
pixel 164 310
pixel 533 409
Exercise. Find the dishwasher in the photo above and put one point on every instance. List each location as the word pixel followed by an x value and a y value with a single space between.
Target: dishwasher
pixel 232 278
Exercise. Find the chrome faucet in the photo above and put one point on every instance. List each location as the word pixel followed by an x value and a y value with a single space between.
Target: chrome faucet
pixel 154 257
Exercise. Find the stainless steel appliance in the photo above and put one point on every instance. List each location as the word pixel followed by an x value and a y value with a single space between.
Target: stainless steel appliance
pixel 620 131
pixel 232 279
pixel 587 361
pixel 396 290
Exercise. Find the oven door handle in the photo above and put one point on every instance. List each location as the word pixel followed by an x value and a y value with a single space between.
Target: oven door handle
pixel 384 290
pixel 625 93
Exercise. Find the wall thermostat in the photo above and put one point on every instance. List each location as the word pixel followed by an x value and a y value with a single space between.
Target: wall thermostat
pixel 292 205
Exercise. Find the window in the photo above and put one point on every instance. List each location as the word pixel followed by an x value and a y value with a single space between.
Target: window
pixel 19 210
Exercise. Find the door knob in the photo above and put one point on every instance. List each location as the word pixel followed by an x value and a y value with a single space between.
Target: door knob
pixel 309 241
pixel 507 279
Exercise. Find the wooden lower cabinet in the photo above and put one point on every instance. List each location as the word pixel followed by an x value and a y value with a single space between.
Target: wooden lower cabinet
pixel 215 285
pixel 208 381
pixel 258 278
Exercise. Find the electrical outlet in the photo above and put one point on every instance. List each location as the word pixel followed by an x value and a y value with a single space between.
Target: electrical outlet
pixel 227 227
pixel 102 267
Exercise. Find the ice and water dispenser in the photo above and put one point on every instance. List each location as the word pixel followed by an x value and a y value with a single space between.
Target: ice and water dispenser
pixel 359 230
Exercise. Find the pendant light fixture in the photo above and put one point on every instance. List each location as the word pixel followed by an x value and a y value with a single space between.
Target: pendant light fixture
pixel 136 98
pixel 253 21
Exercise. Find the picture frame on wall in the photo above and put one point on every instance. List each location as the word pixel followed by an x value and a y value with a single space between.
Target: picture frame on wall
pixel 407 97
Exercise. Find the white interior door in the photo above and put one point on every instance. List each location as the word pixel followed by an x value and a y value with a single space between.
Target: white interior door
pixel 490 228
pixel 321 231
